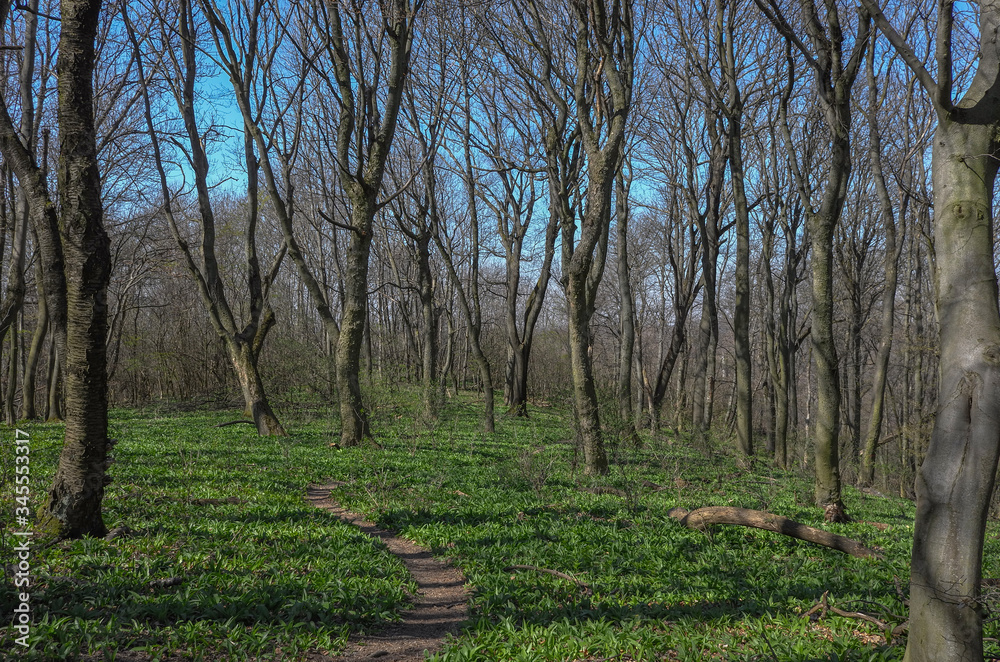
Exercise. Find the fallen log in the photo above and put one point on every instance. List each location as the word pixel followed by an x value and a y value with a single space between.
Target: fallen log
pixel 702 518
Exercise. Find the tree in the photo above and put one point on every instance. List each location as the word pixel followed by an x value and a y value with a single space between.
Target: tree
pixel 956 479
pixel 244 341
pixel 893 249
pixel 741 318
pixel 360 58
pixel 834 76
pixel 586 79
pixel 75 252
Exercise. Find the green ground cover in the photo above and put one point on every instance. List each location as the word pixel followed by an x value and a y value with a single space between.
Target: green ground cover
pixel 226 561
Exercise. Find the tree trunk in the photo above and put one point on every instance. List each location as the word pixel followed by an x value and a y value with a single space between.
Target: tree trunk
pixel 626 313
pixel 10 413
pixel 245 360
pixel 35 351
pixel 891 278
pixel 53 381
pixel 826 438
pixel 429 328
pixel 956 479
pixel 353 416
pixel 741 316
pixel 584 388
pixel 72 507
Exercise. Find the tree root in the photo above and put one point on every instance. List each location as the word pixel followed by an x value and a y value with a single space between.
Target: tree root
pixel 702 518
pixel 554 573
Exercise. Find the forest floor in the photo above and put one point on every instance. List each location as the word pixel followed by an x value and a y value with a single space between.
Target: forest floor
pixel 220 557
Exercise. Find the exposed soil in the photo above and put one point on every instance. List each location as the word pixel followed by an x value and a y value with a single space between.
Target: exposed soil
pixel 439 607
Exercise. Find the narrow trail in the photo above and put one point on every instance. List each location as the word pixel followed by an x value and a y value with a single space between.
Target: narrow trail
pixel 439 607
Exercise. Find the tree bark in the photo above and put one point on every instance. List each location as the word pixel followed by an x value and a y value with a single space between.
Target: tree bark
pixel 72 507
pixel 741 315
pixel 353 416
pixel 626 313
pixel 956 479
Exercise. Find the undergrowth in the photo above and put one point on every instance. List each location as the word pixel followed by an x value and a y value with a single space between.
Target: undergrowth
pixel 223 560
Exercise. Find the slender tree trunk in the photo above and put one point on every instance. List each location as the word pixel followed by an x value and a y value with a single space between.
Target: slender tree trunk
pixel 429 328
pixel 53 381
pixel 10 414
pixel 35 351
pixel 891 278
pixel 741 316
pixel 626 313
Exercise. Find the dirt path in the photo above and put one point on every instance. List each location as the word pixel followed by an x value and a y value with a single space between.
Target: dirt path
pixel 440 605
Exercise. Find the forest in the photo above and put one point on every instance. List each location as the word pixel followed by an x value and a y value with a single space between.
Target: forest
pixel 671 327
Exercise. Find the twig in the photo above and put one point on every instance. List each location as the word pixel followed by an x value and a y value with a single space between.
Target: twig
pixel 554 573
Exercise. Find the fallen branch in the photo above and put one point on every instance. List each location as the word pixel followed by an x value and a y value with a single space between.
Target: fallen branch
pixel 554 573
pixel 228 423
pixel 702 518
pixel 824 607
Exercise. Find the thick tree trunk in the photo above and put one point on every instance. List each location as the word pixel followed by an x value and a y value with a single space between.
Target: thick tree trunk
pixel 956 479
pixel 517 379
pixel 353 416
pixel 826 438
pixel 72 507
pixel 584 388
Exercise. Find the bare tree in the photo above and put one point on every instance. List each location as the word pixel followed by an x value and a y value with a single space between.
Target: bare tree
pixel 834 75
pixel 244 341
